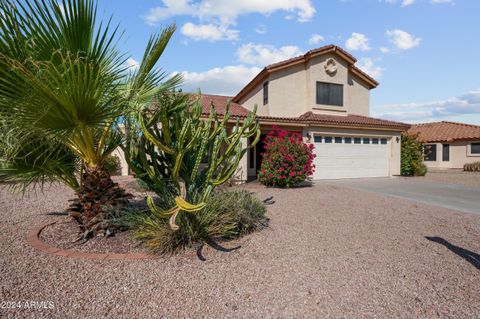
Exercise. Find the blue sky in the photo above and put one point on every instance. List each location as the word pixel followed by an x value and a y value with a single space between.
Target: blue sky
pixel 424 53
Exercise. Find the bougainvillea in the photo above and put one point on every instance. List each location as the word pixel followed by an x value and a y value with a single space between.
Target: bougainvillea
pixel 287 160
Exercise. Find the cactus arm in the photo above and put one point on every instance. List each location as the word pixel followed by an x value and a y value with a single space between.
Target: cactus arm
pixel 200 155
pixel 159 212
pixel 151 138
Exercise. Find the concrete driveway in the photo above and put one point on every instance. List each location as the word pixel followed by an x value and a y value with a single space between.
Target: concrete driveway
pixel 452 196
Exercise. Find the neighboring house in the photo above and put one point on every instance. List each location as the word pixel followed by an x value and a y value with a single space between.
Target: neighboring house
pixel 449 144
pixel 326 98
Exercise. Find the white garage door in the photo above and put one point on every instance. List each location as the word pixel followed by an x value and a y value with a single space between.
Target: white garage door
pixel 350 157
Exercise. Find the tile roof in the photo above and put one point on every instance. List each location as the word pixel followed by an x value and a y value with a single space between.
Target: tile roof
pixel 220 102
pixel 236 110
pixel 446 131
pixel 351 120
pixel 324 49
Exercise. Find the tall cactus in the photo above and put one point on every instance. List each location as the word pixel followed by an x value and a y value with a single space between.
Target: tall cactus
pixel 174 140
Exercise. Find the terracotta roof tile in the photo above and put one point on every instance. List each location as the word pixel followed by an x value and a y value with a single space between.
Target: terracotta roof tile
pixel 446 131
pixel 236 110
pixel 220 102
pixel 351 120
pixel 305 56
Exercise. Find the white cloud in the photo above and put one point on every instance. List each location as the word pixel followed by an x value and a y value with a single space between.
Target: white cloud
pixel 261 29
pixel 210 32
pixel 262 54
pixel 367 65
pixel 465 104
pixel 384 50
pixel 227 80
pixel 406 3
pixel 358 42
pixel 441 1
pixel 229 10
pixel 315 39
pixel 132 64
pixel 403 40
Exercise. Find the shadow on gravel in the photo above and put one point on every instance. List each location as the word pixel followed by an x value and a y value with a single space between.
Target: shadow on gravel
pixel 468 255
pixel 57 214
pixel 215 246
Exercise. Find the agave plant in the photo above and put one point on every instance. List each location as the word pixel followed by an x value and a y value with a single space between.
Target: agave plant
pixel 64 89
pixel 183 156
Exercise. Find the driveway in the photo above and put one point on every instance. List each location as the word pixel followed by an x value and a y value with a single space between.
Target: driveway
pixel 453 196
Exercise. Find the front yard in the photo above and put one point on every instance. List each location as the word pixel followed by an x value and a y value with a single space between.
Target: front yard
pixel 329 252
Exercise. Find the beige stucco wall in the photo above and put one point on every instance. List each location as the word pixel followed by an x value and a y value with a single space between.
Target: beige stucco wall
pixel 292 91
pixel 123 163
pixel 287 92
pixel 394 141
pixel 241 174
pixel 459 155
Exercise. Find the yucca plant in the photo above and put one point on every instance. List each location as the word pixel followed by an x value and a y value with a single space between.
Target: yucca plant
pixel 64 89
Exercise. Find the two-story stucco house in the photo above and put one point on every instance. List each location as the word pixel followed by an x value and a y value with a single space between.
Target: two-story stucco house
pixel 325 97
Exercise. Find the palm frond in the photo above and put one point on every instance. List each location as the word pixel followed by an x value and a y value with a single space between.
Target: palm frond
pixel 31 160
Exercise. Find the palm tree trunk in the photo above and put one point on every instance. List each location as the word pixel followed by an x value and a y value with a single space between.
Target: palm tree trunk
pixel 97 194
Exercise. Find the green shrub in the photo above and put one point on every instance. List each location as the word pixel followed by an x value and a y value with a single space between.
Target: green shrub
pixel 419 169
pixel 227 215
pixel 412 156
pixel 287 160
pixel 472 167
pixel 112 165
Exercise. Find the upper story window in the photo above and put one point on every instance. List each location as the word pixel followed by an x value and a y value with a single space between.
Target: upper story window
pixel 329 94
pixel 265 93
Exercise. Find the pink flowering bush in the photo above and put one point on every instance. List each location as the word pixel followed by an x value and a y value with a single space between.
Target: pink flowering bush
pixel 287 160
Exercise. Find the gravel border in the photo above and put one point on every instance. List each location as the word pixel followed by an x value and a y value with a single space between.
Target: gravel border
pixel 33 238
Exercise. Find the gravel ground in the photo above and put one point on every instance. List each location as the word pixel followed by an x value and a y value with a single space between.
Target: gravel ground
pixel 64 234
pixel 330 252
pixel 453 176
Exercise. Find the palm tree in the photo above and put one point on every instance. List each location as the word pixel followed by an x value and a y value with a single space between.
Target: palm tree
pixel 64 90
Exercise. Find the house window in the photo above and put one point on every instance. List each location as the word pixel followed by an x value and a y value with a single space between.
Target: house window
pixel 383 141
pixel 317 139
pixel 366 140
pixel 430 152
pixel 357 140
pixel 446 152
pixel 338 140
pixel 265 93
pixel 329 94
pixel 475 148
pixel 348 140
pixel 328 139
pixel 374 140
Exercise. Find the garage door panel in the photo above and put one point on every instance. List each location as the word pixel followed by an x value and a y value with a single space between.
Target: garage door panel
pixel 335 160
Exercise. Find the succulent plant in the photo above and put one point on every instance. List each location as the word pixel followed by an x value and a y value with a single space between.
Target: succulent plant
pixel 182 154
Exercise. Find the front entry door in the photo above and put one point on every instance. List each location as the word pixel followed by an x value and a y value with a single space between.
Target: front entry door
pixel 255 156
